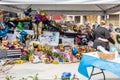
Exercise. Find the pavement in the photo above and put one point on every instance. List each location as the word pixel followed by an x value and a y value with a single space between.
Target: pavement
pixel 50 71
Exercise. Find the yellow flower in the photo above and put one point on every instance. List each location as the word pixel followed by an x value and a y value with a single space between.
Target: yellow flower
pixel 19 61
pixel 78 55
pixel 55 62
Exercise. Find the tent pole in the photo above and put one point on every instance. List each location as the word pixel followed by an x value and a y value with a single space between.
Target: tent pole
pixel 81 19
pixel 119 20
pixel 105 16
pixel 99 19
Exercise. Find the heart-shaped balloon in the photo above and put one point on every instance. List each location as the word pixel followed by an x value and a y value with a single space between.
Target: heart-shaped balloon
pixel 43 18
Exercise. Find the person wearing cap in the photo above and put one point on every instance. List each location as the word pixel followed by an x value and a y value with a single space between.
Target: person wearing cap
pixel 102 36
pixel 3 27
pixel 111 27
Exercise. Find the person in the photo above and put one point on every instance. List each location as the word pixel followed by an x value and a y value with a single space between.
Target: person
pixel 96 24
pixel 3 28
pixel 102 37
pixel 111 27
pixel 92 37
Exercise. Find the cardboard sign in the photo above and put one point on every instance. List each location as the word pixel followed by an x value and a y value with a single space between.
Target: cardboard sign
pixel 31 32
pixel 51 38
pixel 68 41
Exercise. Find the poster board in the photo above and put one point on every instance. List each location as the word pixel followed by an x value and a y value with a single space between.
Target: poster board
pixel 17 34
pixel 31 32
pixel 27 25
pixel 67 41
pixel 51 38
pixel 10 36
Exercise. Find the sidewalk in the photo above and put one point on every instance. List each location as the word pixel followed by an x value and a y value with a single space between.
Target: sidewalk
pixel 49 71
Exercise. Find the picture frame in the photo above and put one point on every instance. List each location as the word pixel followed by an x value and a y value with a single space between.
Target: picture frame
pixel 27 25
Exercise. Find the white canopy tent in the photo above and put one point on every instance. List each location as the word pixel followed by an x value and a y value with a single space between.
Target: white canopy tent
pixel 69 9
pixel 60 1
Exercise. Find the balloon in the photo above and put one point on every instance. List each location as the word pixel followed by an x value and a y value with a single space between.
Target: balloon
pixel 27 13
pixel 66 74
pixel 42 13
pixel 21 38
pixel 74 51
pixel 3 32
pixel 6 28
pixel 43 18
pixel 23 33
pixel 37 18
pixel 30 9
pixel 19 25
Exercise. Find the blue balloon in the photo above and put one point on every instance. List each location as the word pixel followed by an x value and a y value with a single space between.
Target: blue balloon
pixel 4 32
pixel 23 33
pixel 27 13
pixel 74 51
pixel 21 38
pixel 66 74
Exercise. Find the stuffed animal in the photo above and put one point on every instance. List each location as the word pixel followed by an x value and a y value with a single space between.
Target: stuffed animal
pixel 36 59
pixel 45 59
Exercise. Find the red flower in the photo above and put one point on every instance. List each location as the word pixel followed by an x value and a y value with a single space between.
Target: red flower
pixel 77 40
